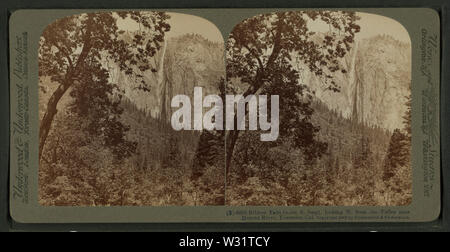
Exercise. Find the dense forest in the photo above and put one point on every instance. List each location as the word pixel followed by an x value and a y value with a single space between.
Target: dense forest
pixel 354 170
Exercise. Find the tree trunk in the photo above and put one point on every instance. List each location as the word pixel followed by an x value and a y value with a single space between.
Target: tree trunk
pixel 233 135
pixel 71 73
pixel 231 143
pixel 49 115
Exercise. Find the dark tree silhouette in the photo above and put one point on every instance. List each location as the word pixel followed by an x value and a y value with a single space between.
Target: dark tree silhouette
pixel 407 117
pixel 93 102
pixel 397 154
pixel 210 149
pixel 260 51
pixel 71 46
pixel 399 150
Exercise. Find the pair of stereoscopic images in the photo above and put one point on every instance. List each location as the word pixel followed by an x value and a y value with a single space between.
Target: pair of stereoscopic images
pixel 107 80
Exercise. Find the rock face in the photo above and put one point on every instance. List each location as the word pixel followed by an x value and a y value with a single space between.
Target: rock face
pixel 182 63
pixel 373 90
pixel 190 61
pixel 375 86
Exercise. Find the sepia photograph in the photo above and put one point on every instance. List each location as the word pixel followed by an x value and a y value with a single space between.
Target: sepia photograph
pixel 344 85
pixel 311 108
pixel 106 81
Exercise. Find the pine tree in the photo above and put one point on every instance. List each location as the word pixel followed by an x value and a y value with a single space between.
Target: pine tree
pixel 210 149
pixel 407 118
pixel 172 159
pixel 397 154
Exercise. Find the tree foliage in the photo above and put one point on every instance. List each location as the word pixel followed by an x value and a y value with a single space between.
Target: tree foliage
pixel 71 52
pixel 95 103
pixel 67 43
pixel 397 164
pixel 263 46
pixel 263 52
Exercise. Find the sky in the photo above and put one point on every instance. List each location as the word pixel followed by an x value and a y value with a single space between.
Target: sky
pixel 182 24
pixel 371 25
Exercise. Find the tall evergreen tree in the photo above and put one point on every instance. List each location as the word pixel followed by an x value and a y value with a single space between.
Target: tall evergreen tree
pixel 397 154
pixel 210 149
pixel 407 117
pixel 399 150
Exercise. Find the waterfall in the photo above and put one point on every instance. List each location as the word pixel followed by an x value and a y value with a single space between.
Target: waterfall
pixel 352 64
pixel 163 83
pixel 354 80
pixel 357 80
pixel 160 81
pixel 161 65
